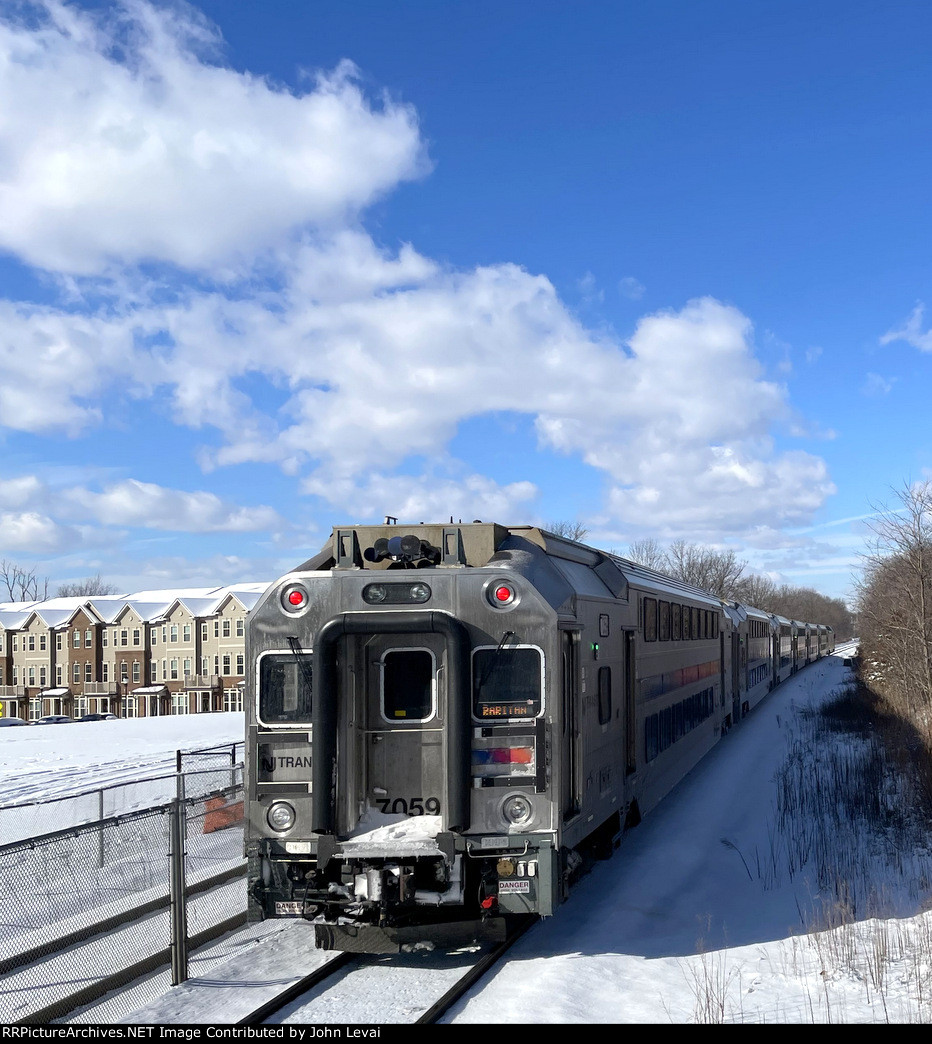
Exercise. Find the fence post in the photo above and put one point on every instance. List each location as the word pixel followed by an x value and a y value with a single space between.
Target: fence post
pixel 177 899
pixel 100 836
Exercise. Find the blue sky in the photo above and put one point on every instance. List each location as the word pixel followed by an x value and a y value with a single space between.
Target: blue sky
pixel 270 267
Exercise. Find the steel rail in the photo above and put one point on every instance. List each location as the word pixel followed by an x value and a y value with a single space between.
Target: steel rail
pixel 476 972
pixel 292 992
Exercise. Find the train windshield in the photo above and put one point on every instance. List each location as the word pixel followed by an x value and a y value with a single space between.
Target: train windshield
pixel 285 688
pixel 506 682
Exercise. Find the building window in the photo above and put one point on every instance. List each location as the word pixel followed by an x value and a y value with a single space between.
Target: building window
pixel 32 676
pixel 128 707
pixel 76 639
pixel 58 641
pixel 233 699
pixel 174 670
pixel 105 671
pixel 42 643
pixel 15 643
pixel 205 665
pixel 174 632
pixel 136 636
pixel 153 671
pixel 58 675
pixel 88 638
pixel 42 677
pixel 239 663
pixel 204 631
pixel 226 663
pixel 88 667
pixel 124 637
pixel 164 670
pixel 32 643
pixel 186 668
pixel 124 671
pixel 216 665
pixel 179 703
pixel 104 640
pixel 136 674
pixel 186 633
pixel 154 635
pixel 226 628
pixel 240 628
pixel 80 706
pixel 76 673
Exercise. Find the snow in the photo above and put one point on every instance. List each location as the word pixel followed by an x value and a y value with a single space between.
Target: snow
pixel 46 761
pixel 700 916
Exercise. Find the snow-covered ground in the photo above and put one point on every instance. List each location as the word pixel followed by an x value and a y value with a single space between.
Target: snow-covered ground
pixel 38 762
pixel 692 920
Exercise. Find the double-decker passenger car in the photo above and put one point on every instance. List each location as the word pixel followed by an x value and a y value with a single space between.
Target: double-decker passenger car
pixel 444 721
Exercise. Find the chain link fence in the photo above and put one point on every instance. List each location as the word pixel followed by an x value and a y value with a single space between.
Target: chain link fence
pixel 86 909
pixel 215 768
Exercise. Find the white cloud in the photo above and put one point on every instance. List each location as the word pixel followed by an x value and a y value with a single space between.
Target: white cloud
pixel 631 288
pixel 34 533
pixel 135 503
pixel 911 332
pixel 426 498
pixel 875 385
pixel 305 344
pixel 159 154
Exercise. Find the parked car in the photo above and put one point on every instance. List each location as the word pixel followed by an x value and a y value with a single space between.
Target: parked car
pixel 97 717
pixel 53 719
pixel 4 722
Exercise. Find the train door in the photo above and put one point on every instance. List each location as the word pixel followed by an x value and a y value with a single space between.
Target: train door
pixel 404 711
pixel 571 726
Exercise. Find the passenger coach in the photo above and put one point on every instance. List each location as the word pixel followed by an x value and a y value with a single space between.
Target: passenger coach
pixel 445 721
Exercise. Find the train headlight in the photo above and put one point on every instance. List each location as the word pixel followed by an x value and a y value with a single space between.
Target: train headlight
pixel 281 816
pixel 517 809
pixel 396 594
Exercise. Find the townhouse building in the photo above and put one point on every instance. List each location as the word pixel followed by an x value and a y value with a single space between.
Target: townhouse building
pixel 136 655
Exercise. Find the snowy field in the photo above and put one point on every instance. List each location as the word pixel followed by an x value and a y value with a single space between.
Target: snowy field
pixel 38 762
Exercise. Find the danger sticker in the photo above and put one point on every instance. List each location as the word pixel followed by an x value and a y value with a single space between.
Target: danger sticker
pixel 513 886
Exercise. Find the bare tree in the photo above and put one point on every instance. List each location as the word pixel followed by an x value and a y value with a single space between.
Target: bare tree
pixel 91 585
pixel 716 571
pixel 895 599
pixel 650 554
pixel 568 530
pixel 22 584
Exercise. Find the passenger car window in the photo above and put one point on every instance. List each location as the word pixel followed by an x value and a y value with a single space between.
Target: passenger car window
pixel 285 688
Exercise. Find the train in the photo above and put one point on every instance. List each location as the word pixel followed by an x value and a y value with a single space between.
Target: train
pixel 447 723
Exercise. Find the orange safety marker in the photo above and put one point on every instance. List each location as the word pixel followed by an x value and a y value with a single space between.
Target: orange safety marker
pixel 221 815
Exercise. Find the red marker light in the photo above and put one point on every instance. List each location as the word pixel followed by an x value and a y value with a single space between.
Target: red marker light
pixel 503 593
pixel 294 598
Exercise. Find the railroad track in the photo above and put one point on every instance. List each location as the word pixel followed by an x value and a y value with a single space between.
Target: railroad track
pixel 365 989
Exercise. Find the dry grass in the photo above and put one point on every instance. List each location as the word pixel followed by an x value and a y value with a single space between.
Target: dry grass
pixel 853 809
